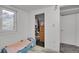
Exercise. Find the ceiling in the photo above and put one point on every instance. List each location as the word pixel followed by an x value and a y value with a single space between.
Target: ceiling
pixel 30 7
pixel 64 9
pixel 34 7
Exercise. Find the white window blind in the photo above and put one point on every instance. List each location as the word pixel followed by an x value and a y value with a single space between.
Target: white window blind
pixel 7 20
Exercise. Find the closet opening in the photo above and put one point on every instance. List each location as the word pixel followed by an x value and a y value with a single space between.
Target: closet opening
pixel 39 29
pixel 69 29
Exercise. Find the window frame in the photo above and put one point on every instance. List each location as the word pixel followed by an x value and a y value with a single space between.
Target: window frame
pixel 15 19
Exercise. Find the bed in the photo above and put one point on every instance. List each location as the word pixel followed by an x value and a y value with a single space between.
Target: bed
pixel 22 46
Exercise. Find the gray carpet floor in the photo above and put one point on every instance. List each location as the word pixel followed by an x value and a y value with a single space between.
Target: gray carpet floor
pixel 66 48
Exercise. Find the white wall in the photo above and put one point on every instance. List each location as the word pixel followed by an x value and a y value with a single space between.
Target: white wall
pixel 68 29
pixel 22 29
pixel 76 28
pixel 52 27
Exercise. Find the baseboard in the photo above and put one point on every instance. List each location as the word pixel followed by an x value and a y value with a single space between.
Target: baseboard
pixel 69 44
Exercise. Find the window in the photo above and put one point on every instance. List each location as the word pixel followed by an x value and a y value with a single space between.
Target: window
pixel 8 20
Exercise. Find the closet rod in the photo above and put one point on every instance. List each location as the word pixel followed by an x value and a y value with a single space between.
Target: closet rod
pixel 68 14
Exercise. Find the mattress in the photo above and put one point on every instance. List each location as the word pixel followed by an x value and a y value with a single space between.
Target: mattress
pixel 13 48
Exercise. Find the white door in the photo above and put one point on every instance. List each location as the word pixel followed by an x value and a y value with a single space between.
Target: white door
pixel 68 29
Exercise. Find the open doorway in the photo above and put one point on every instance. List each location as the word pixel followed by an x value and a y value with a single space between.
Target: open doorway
pixel 39 29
